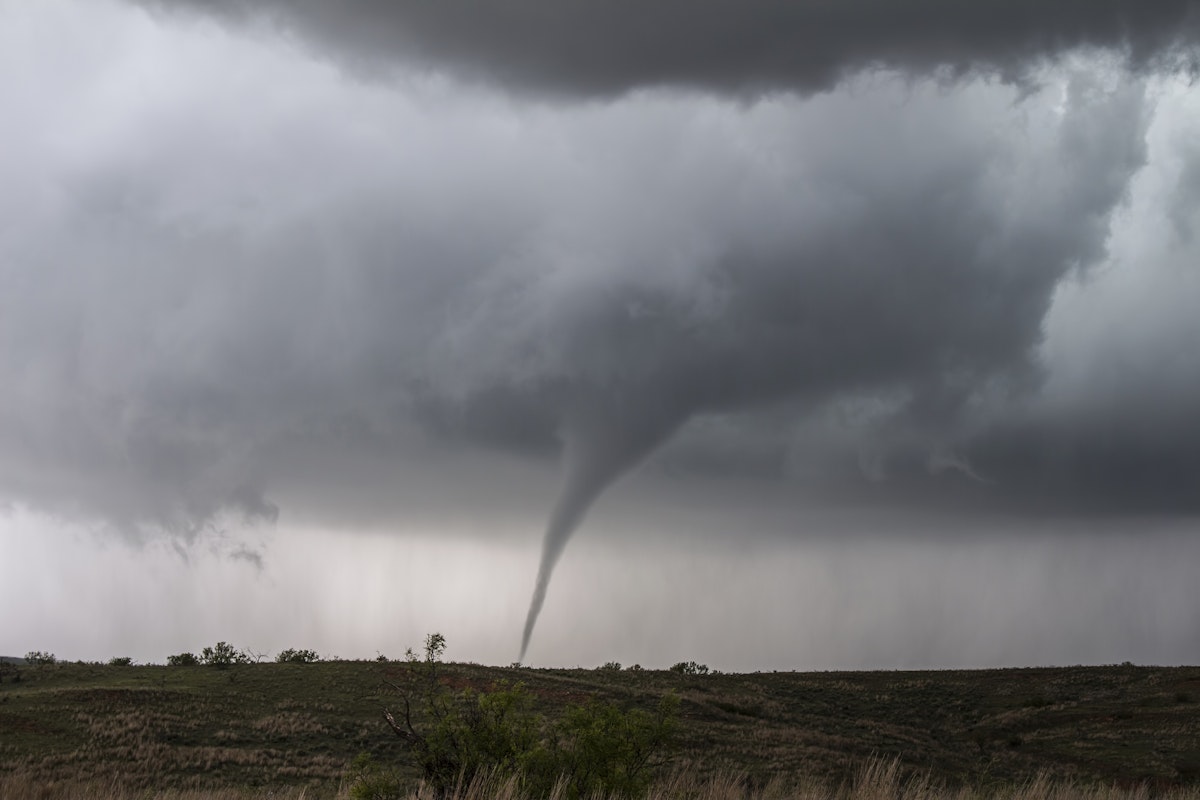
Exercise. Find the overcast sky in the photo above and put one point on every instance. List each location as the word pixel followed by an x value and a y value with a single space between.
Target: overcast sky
pixel 767 335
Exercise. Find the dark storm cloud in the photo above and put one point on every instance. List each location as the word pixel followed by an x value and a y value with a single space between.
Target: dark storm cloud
pixel 603 47
pixel 256 280
pixel 204 305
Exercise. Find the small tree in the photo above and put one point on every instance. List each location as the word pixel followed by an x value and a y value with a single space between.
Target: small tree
pixel 223 655
pixel 39 659
pixel 183 660
pixel 435 647
pixel 690 668
pixel 120 661
pixel 457 729
pixel 291 656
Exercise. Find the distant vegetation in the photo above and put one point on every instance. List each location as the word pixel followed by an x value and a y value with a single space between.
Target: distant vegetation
pixel 291 656
pixel 40 659
pixel 690 668
pixel 223 655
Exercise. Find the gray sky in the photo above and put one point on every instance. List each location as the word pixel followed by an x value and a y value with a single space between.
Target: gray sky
pixel 877 328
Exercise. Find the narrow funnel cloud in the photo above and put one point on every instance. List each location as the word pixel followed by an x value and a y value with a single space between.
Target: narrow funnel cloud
pixel 598 447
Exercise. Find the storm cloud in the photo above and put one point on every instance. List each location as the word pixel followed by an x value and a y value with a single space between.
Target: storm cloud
pixel 240 280
pixel 594 47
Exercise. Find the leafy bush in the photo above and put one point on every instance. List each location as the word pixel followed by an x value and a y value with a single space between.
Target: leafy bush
pixel 120 661
pixel 603 750
pixel 690 668
pixel 223 655
pixel 183 660
pixel 457 737
pixel 610 666
pixel 40 659
pixel 291 656
pixel 370 781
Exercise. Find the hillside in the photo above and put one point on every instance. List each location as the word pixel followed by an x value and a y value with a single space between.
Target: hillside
pixel 301 724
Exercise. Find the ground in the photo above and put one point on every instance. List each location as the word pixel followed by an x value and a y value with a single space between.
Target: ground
pixel 302 724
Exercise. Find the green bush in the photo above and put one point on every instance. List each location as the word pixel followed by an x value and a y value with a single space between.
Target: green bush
pixel 291 656
pixel 223 655
pixel 461 736
pixel 120 661
pixel 39 659
pixel 610 666
pixel 183 660
pixel 370 781
pixel 601 750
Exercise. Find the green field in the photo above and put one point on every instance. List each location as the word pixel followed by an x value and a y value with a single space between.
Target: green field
pixel 294 725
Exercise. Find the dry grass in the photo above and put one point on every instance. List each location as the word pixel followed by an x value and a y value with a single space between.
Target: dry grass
pixel 23 787
pixel 877 779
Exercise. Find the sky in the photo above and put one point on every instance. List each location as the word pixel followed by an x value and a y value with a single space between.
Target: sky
pixel 770 336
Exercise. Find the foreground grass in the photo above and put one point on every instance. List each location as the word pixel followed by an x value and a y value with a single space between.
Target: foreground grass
pixel 877 779
pixel 295 728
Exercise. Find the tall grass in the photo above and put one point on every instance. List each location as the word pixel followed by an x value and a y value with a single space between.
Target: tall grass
pixel 877 779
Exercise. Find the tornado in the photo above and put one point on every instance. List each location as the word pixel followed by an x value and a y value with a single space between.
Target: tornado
pixel 599 446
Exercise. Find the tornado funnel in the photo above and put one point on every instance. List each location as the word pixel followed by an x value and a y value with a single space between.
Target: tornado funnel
pixel 598 447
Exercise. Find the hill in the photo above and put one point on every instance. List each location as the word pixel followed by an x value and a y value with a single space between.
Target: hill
pixel 301 724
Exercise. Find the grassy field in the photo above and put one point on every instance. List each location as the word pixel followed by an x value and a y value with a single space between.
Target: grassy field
pixel 296 727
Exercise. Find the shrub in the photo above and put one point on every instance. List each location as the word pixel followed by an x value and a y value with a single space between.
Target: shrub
pixel 690 668
pixel 604 750
pixel 291 656
pixel 610 666
pixel 120 661
pixel 183 660
pixel 370 781
pixel 223 655
pixel 457 737
pixel 40 659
